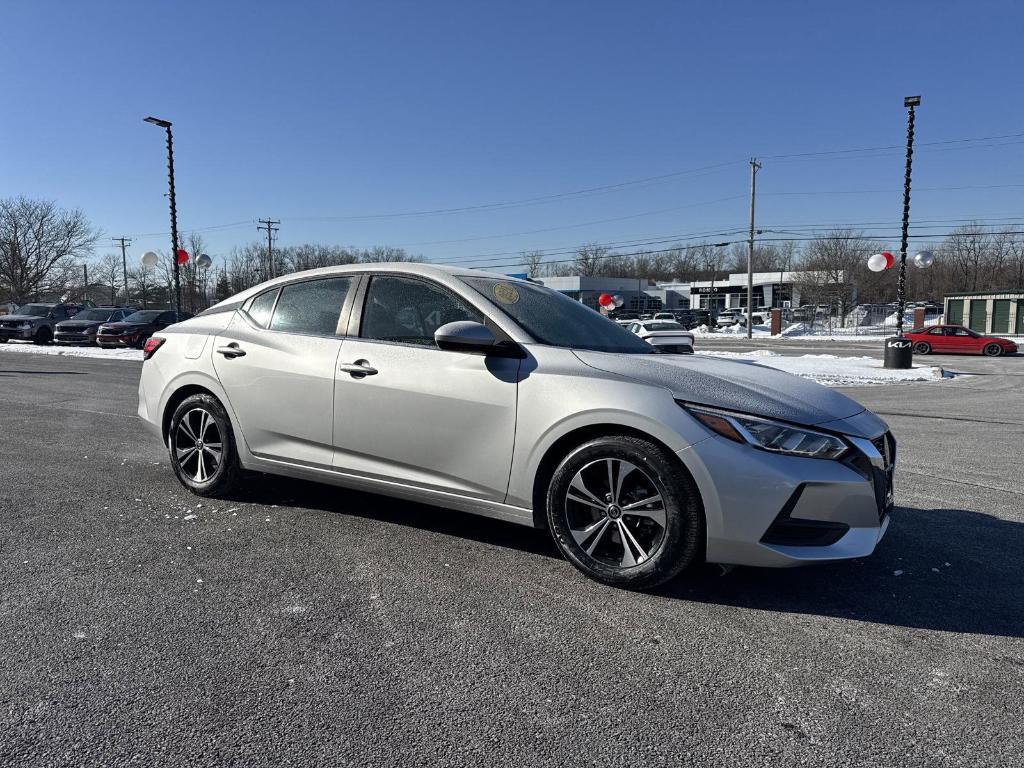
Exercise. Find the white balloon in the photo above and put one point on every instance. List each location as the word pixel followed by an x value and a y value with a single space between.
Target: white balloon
pixel 924 259
pixel 877 263
pixel 204 261
pixel 619 301
pixel 149 259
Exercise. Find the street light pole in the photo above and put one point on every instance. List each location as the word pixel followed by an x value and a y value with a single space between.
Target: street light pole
pixel 901 287
pixel 166 125
pixel 754 167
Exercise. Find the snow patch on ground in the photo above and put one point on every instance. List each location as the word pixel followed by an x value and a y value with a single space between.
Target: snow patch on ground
pixel 52 349
pixel 835 371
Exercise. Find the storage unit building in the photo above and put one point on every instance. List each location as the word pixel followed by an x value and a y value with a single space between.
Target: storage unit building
pixel 1000 313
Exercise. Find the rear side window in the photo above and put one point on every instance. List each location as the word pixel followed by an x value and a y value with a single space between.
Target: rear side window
pixel 408 311
pixel 166 317
pixel 262 306
pixel 312 306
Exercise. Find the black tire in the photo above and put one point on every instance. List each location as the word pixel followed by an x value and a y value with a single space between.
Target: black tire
pixel 993 350
pixel 922 348
pixel 43 336
pixel 680 542
pixel 225 475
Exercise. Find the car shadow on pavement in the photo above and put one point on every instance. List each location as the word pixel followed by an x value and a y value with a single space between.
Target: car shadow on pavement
pixel 943 569
pixel 287 492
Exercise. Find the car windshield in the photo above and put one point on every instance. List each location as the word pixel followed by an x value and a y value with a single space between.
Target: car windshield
pixel 96 315
pixel 34 310
pixel 663 325
pixel 554 319
pixel 146 316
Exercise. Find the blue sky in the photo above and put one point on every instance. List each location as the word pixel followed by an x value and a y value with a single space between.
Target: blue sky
pixel 318 112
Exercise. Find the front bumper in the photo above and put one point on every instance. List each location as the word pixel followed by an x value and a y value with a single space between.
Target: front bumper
pixel 73 337
pixel 766 509
pixel 25 334
pixel 115 341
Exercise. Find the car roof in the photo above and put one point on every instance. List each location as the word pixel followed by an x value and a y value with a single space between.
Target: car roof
pixel 415 268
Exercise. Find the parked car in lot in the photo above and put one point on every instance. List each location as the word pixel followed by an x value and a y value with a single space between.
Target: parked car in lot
pixel 81 329
pixel 625 318
pixel 497 396
pixel 664 335
pixel 729 317
pixel 35 322
pixel 664 316
pixel 134 329
pixel 958 339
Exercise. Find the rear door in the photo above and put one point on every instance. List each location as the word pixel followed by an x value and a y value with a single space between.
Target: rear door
pixel 424 416
pixel 276 361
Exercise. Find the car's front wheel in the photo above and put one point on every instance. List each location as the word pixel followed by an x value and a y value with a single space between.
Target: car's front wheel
pixel 922 348
pixel 43 336
pixel 993 350
pixel 624 512
pixel 202 447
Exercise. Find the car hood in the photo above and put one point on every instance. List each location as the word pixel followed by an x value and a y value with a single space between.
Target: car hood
pixel 119 326
pixel 71 325
pixel 19 318
pixel 731 384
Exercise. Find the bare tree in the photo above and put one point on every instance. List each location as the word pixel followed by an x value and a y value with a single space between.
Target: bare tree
pixel 38 244
pixel 108 272
pixel 587 259
pixel 832 268
pixel 533 261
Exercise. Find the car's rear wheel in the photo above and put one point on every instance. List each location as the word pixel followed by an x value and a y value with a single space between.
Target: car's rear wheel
pixel 202 447
pixel 43 336
pixel 624 512
pixel 922 348
pixel 993 350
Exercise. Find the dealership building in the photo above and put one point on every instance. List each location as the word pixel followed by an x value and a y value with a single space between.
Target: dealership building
pixel 995 312
pixel 771 289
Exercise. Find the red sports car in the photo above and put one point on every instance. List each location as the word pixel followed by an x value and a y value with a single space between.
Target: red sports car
pixel 956 338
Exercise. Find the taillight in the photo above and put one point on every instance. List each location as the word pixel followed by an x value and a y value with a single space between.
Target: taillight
pixel 151 346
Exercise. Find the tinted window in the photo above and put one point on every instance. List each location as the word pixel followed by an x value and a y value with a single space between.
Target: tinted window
pixel 313 306
pixel 97 315
pixel 167 317
pixel 145 316
pixel 407 310
pixel 555 319
pixel 664 325
pixel 262 306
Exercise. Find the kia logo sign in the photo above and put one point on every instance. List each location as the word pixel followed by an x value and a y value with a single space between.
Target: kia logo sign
pixel 898 344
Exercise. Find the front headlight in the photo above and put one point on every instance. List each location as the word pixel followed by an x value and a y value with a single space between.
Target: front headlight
pixel 768 435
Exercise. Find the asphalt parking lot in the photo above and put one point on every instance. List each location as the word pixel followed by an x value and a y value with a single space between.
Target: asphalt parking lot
pixel 305 625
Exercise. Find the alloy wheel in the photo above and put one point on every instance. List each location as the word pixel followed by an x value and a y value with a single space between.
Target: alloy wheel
pixel 198 445
pixel 993 350
pixel 615 512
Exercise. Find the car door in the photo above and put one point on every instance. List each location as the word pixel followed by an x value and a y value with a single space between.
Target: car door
pixel 276 361
pixel 936 338
pixel 410 412
pixel 967 341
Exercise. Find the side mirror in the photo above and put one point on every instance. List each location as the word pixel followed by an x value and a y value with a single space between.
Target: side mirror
pixel 465 336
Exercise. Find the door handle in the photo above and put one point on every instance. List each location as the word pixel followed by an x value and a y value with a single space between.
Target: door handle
pixel 358 369
pixel 230 351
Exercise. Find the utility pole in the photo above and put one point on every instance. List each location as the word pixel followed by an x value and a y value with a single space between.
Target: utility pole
pixel 754 168
pixel 268 225
pixel 85 281
pixel 125 242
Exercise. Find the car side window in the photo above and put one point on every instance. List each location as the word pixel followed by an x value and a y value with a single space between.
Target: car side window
pixel 408 310
pixel 165 317
pixel 311 307
pixel 935 332
pixel 260 308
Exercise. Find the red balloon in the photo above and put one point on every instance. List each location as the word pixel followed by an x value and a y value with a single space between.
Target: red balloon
pixel 889 259
pixel 182 256
pixel 605 300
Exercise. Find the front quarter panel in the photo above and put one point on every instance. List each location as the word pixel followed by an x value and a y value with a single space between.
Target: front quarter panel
pixel 559 394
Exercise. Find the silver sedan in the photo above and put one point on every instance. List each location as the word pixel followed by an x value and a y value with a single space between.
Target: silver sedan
pixel 492 395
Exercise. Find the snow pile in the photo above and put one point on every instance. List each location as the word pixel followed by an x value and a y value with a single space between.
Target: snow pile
pixel 835 371
pixel 103 354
